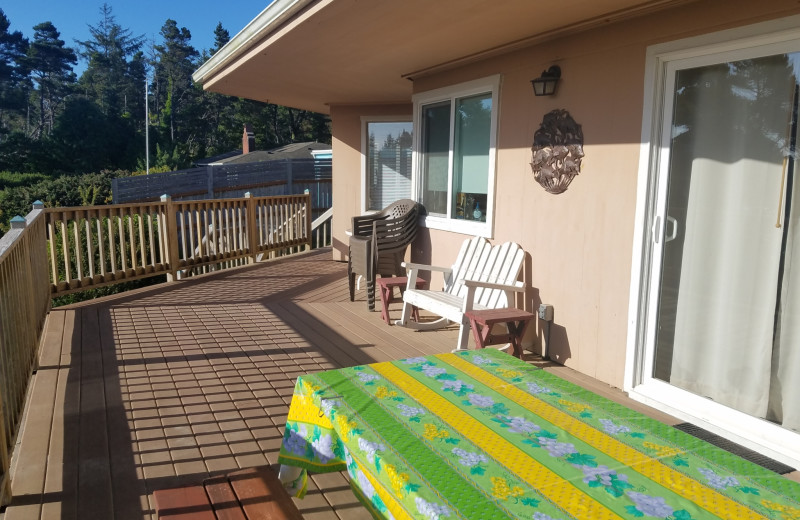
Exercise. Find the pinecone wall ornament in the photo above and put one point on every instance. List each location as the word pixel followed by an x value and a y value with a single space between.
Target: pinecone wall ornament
pixel 557 151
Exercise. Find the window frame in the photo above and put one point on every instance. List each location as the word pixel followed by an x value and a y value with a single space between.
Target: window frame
pixel 365 120
pixel 488 85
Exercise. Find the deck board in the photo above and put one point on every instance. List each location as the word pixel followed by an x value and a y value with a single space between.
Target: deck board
pixel 165 386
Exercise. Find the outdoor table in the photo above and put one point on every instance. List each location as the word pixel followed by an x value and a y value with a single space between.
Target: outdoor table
pixel 481 434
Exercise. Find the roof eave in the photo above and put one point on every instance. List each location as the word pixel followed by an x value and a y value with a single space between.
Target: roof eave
pixel 272 17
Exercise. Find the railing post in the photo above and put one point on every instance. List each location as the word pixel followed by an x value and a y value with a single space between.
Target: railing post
pixel 252 229
pixel 308 220
pixel 171 236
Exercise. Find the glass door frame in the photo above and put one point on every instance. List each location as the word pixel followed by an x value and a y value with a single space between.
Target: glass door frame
pixel 764 39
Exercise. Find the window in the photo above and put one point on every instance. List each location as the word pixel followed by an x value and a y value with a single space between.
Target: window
pixel 387 162
pixel 456 155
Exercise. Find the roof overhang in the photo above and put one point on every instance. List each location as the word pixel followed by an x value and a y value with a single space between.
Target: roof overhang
pixel 312 54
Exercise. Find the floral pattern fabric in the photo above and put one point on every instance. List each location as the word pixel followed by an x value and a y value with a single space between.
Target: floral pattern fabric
pixel 485 435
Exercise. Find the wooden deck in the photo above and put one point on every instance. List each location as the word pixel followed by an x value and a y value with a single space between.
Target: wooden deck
pixel 165 386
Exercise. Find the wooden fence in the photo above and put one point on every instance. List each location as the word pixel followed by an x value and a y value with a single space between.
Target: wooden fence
pixel 57 251
pixel 267 178
pixel 24 303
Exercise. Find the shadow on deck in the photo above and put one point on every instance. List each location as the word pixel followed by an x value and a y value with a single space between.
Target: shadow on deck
pixel 166 386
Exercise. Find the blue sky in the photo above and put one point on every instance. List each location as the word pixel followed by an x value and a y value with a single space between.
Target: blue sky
pixel 142 17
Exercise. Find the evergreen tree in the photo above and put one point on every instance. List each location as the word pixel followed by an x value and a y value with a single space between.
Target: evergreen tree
pixel 13 74
pixel 50 62
pixel 173 80
pixel 221 37
pixel 107 79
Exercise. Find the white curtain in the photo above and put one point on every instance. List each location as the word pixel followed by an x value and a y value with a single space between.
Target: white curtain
pixel 728 344
pixel 784 396
pixel 726 300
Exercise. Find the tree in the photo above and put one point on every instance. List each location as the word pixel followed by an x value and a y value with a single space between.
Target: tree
pixel 173 77
pixel 107 79
pixel 221 37
pixel 13 71
pixel 50 62
pixel 85 139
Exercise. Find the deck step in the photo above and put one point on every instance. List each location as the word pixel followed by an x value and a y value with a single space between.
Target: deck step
pixel 250 494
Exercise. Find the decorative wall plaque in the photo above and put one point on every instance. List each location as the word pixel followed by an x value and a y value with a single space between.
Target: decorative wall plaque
pixel 557 151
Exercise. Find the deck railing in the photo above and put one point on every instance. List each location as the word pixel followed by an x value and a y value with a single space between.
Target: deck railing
pixel 321 229
pixel 24 303
pixel 57 251
pixel 101 245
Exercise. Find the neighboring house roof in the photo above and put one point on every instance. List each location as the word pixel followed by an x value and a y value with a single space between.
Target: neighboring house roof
pixel 289 151
pixel 331 52
pixel 216 158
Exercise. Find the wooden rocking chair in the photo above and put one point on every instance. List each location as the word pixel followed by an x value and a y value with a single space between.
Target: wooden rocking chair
pixel 482 277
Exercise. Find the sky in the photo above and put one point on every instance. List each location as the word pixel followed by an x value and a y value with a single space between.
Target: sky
pixel 142 17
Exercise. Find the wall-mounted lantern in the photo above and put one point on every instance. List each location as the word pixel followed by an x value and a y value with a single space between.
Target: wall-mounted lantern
pixel 545 85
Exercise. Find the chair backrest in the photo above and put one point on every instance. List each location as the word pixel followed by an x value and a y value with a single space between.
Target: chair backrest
pixel 362 224
pixel 480 260
pixel 396 233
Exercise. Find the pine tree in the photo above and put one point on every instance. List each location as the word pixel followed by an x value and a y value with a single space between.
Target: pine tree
pixel 13 72
pixel 221 37
pixel 50 62
pixel 173 69
pixel 107 78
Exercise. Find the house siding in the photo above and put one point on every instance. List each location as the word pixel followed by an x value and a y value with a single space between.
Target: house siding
pixel 579 242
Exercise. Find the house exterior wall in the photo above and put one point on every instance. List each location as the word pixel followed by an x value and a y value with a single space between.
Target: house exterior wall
pixel 579 242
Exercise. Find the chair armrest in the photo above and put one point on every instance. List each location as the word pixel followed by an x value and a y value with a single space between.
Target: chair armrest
pixel 516 286
pixel 423 267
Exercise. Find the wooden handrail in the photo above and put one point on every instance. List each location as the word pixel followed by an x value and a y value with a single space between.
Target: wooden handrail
pixel 24 303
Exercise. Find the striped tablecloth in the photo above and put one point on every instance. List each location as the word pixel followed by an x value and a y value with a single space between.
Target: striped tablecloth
pixel 480 434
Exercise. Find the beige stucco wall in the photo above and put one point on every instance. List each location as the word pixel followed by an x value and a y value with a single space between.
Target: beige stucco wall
pixel 580 242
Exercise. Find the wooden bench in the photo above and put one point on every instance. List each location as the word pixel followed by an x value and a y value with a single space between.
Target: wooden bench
pixel 248 494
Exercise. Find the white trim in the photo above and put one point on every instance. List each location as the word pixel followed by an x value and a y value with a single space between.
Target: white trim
pixel 490 84
pixel 757 434
pixel 364 137
pixel 661 61
pixel 267 20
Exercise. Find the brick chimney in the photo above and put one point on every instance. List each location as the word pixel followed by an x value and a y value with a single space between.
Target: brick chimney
pixel 248 140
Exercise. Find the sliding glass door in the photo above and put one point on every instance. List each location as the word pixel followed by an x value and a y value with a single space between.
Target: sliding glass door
pixel 725 282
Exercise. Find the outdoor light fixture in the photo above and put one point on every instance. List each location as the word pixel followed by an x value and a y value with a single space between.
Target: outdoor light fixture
pixel 545 85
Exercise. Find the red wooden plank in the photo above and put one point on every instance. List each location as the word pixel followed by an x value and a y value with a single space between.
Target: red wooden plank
pixel 262 495
pixel 223 500
pixel 186 503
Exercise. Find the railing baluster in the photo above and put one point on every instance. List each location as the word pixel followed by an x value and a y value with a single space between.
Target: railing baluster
pixel 101 244
pixel 131 243
pixel 123 246
pixel 112 245
pixel 142 250
pixel 152 247
pixel 65 247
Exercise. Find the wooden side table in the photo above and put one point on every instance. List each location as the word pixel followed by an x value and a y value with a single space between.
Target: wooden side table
pixel 516 320
pixel 387 285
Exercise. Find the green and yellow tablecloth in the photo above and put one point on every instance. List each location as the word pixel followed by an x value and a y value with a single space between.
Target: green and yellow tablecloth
pixel 480 434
